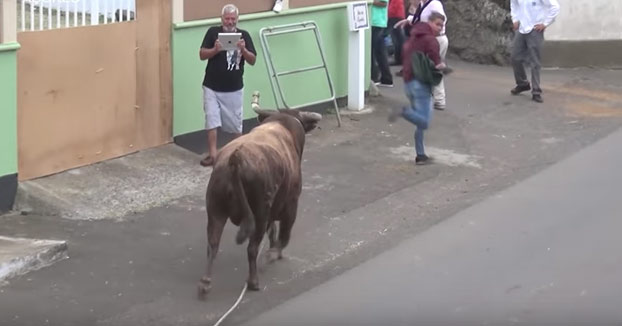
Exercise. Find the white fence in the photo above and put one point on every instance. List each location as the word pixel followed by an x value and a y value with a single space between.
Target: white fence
pixel 34 15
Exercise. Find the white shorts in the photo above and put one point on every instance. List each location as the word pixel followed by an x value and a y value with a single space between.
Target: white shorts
pixel 223 109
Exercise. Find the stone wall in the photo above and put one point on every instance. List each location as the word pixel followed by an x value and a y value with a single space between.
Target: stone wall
pixel 479 30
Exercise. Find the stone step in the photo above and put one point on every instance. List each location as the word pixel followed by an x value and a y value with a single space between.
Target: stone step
pixel 19 256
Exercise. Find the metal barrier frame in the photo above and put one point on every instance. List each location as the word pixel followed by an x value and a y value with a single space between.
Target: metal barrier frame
pixel 265 32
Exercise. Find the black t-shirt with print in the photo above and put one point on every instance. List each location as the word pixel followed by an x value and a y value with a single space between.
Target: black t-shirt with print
pixel 224 70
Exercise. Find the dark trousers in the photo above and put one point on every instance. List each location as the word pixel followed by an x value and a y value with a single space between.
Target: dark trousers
pixel 526 51
pixel 398 37
pixel 379 62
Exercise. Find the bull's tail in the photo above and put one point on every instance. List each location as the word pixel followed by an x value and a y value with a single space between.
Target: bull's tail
pixel 247 224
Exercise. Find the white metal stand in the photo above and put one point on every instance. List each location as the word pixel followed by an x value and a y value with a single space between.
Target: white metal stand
pixel 356 70
pixel 358 21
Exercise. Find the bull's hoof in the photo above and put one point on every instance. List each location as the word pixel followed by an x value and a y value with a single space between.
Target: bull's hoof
pixel 274 254
pixel 203 288
pixel 253 285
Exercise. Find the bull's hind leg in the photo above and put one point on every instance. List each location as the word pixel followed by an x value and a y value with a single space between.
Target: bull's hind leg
pixel 215 226
pixel 285 227
pixel 260 211
pixel 274 242
pixel 272 234
pixel 253 250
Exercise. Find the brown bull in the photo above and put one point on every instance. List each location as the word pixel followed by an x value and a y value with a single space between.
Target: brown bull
pixel 256 181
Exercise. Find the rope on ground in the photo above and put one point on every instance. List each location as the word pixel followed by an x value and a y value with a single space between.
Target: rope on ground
pixel 235 305
pixel 237 302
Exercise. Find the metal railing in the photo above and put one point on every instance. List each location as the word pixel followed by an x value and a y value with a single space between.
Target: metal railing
pixel 274 75
pixel 36 15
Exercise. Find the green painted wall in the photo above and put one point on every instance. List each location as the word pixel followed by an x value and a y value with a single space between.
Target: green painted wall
pixel 290 51
pixel 8 108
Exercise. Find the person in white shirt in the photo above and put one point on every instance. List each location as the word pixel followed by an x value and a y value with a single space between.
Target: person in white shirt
pixel 443 42
pixel 530 18
pixel 424 10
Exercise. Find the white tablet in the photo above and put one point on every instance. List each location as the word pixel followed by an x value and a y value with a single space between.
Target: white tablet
pixel 229 41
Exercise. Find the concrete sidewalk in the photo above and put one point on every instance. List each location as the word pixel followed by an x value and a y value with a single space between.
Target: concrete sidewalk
pixel 544 252
pixel 115 188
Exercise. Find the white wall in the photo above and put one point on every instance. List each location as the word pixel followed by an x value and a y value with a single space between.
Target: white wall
pixel 587 20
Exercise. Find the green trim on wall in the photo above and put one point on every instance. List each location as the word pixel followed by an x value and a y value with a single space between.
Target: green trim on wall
pixel 9 46
pixel 8 109
pixel 288 51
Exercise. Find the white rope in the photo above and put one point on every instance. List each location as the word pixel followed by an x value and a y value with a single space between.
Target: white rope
pixel 237 302
pixel 235 305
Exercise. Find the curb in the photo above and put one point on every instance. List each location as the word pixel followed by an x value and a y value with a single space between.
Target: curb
pixel 19 256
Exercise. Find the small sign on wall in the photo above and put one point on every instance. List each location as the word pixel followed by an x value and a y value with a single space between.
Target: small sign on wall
pixel 357 16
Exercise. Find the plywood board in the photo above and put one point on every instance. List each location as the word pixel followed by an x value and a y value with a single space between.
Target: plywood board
pixel 202 9
pixel 76 97
pixel 166 71
pixel 153 73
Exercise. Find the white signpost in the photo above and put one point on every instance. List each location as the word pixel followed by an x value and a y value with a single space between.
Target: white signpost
pixel 358 21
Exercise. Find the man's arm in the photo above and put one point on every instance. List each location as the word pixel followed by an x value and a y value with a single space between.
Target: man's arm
pixel 514 13
pixel 210 45
pixel 550 16
pixel 248 56
pixel 553 12
pixel 247 49
pixel 205 53
pixel 403 23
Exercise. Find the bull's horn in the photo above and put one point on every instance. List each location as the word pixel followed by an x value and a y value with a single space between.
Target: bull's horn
pixel 255 101
pixel 264 112
pixel 311 115
pixel 255 105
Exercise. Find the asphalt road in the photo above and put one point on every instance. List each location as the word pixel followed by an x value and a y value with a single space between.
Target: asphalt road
pixel 544 252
